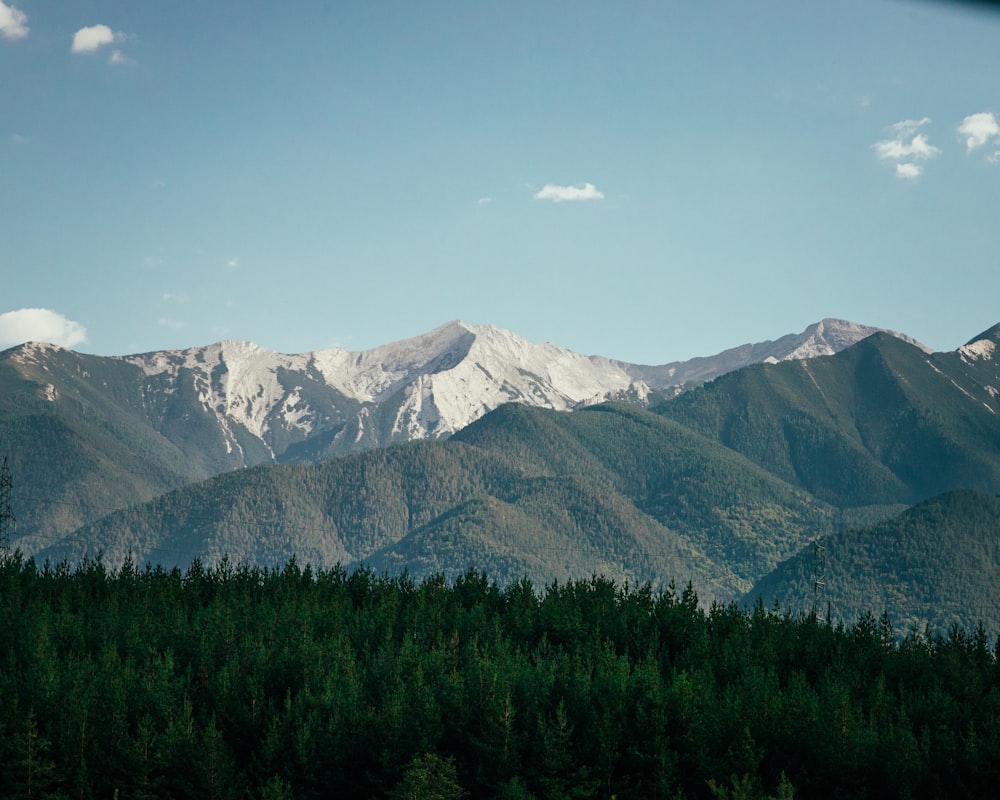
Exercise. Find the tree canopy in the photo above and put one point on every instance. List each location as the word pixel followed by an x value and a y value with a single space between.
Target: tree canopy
pixel 244 682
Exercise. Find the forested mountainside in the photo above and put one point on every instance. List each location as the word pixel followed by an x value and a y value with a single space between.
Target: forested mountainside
pixel 881 422
pixel 85 435
pixel 290 683
pixel 717 486
pixel 612 490
pixel 934 565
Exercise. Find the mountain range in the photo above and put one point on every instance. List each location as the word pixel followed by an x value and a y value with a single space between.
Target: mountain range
pixel 86 434
pixel 721 472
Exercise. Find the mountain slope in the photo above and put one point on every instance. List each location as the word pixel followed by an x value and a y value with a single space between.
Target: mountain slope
pixel 823 338
pixel 614 490
pixel 935 564
pixel 86 434
pixel 719 485
pixel 80 442
pixel 332 402
pixel 728 508
pixel 879 423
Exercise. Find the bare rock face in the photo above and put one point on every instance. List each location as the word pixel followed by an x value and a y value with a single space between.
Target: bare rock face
pixel 429 386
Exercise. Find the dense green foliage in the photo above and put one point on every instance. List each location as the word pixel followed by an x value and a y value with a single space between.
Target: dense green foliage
pixel 881 422
pixel 933 565
pixel 82 439
pixel 246 682
pixel 611 490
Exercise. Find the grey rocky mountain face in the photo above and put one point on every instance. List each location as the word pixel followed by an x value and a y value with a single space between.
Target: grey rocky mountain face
pixel 332 402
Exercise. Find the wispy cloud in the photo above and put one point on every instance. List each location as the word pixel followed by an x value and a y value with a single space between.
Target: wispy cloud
pixel 906 147
pixel 93 38
pixel 232 263
pixel 980 130
pixel 172 324
pixel 118 57
pixel 175 297
pixel 39 325
pixel 559 193
pixel 12 22
pixel 485 201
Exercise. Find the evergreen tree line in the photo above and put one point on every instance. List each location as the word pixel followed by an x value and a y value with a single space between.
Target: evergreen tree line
pixel 248 682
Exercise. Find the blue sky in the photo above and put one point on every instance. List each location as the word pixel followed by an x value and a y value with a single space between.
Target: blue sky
pixel 648 181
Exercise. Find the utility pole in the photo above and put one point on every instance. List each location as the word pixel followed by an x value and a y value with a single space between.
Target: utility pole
pixel 819 579
pixel 7 521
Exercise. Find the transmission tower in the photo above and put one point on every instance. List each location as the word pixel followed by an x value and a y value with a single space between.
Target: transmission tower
pixel 819 578
pixel 7 522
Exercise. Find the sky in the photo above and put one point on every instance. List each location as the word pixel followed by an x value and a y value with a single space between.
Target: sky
pixel 648 181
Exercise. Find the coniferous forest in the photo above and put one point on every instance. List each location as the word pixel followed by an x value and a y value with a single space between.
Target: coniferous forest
pixel 247 682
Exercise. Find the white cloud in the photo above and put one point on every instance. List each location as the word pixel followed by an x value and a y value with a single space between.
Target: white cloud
pixel 39 325
pixel 173 324
pixel 485 201
pixel 87 40
pixel 559 193
pixel 917 147
pixel 12 22
pixel 232 263
pixel 118 57
pixel 979 129
pixel 906 146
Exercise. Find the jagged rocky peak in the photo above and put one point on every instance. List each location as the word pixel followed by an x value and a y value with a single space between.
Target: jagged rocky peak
pixel 990 334
pixel 34 351
pixel 430 385
pixel 434 351
pixel 827 337
pixel 823 338
pixel 983 346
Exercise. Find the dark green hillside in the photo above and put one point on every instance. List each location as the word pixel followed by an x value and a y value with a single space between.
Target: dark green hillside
pixel 444 506
pixel 87 447
pixel 610 490
pixel 338 511
pixel 86 435
pixel 728 508
pixel 936 564
pixel 556 529
pixel 537 440
pixel 881 422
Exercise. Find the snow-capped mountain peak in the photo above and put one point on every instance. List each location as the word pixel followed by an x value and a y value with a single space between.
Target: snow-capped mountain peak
pixel 333 401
